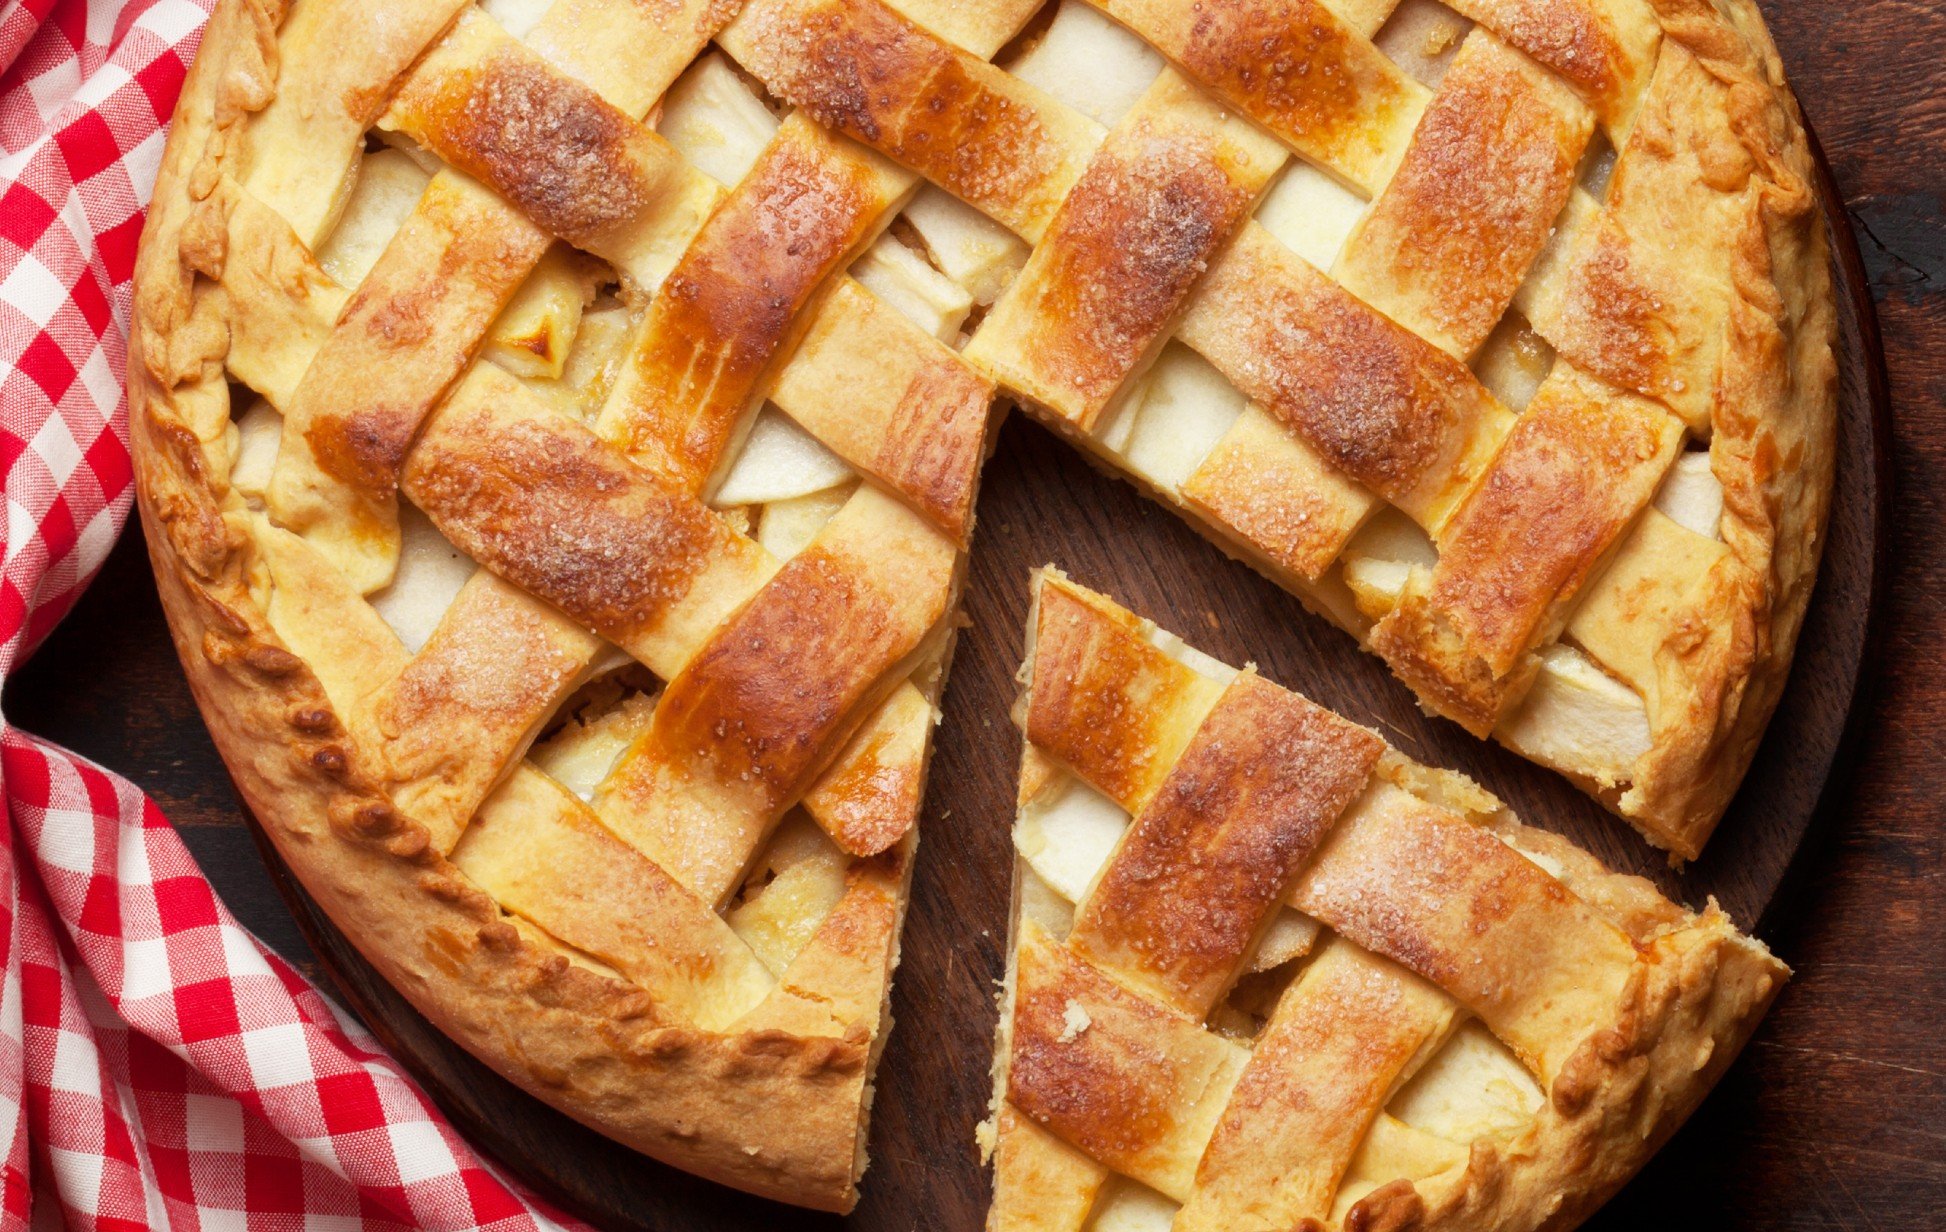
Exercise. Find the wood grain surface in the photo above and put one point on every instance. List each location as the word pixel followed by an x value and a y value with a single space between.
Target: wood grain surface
pixel 1836 1118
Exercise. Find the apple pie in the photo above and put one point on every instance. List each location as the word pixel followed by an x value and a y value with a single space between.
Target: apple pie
pixel 558 424
pixel 1268 974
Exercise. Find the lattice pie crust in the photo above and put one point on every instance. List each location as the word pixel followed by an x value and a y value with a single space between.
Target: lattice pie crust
pixel 558 426
pixel 1269 974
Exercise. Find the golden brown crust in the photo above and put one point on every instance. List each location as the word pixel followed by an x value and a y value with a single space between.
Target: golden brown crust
pixel 1366 1100
pixel 326 718
pixel 1242 809
pixel 861 68
pixel 1579 466
pixel 589 975
pixel 737 296
pixel 931 436
pixel 1276 492
pixel 591 1046
pixel 1294 68
pixel 1132 1084
pixel 504 485
pixel 1448 242
pixel 1318 1074
pixel 1603 48
pixel 1376 401
pixel 1161 195
pixel 576 165
pixel 1773 445
pixel 1122 710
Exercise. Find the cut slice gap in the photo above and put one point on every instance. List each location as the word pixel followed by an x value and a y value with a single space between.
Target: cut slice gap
pixel 1089 62
pixel 1422 37
pixel 1692 496
pixel 778 461
pixel 429 575
pixel 1311 213
pixel 715 120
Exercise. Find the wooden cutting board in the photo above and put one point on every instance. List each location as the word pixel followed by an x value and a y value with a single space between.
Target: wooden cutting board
pixel 1041 502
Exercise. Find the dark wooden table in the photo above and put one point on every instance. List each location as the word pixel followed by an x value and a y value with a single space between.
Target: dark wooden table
pixel 1837 1117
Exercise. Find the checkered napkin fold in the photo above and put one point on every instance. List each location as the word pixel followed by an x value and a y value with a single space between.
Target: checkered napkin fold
pixel 158 1066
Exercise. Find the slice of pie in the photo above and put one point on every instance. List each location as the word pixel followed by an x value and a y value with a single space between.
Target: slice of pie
pixel 1269 974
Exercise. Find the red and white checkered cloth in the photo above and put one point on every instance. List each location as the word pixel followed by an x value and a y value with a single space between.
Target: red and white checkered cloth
pixel 159 1068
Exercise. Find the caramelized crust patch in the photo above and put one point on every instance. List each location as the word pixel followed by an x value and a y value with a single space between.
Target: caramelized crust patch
pixel 859 67
pixel 1296 68
pixel 1376 401
pixel 762 703
pixel 870 796
pixel 1605 49
pixel 440 283
pixel 734 300
pixel 546 505
pixel 569 160
pixel 1160 196
pixel 935 441
pixel 1208 860
pixel 778 690
pixel 1580 464
pixel 1446 245
pixel 1104 701
pixel 1132 1084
